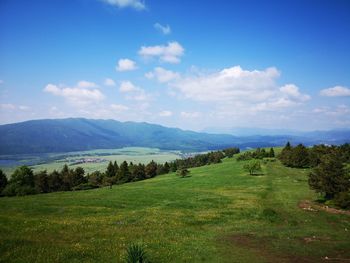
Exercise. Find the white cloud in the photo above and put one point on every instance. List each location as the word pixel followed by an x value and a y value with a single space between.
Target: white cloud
pixel 86 84
pixel 247 90
pixel 7 106
pixel 109 82
pixel 337 91
pixel 128 86
pixel 126 64
pixel 1 81
pixel 340 110
pixel 23 107
pixel 162 75
pixel 134 92
pixel 293 91
pixel 166 30
pixel 170 53
pixel 165 113
pixel 119 107
pixel 190 114
pixel 79 95
pixel 11 107
pixel 136 4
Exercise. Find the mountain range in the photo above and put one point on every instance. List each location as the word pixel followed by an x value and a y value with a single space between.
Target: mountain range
pixel 78 134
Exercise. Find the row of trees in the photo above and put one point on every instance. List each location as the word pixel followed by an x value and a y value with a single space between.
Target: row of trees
pixel 257 154
pixel 24 181
pixel 329 175
pixel 302 157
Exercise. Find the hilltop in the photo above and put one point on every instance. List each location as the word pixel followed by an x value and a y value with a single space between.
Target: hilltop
pixel 217 214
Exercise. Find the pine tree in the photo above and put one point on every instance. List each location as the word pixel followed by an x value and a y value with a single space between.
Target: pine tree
pixel 110 172
pixel 3 180
pixel 329 177
pixel 151 169
pixel 124 173
pixel 285 155
pixel 271 153
pixel 299 157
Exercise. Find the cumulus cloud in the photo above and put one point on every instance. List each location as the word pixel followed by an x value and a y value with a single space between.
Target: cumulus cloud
pixel 128 86
pixel 136 4
pixel 126 64
pixel 86 84
pixel 109 82
pixel 292 91
pixel 337 91
pixel 165 113
pixel 256 89
pixel 162 75
pixel 119 107
pixel 83 93
pixel 170 53
pixel 166 30
pixel 133 92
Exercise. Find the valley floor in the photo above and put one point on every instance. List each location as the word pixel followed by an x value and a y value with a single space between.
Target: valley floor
pixel 217 214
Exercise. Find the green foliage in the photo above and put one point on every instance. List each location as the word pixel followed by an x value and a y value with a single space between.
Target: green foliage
pixel 151 169
pixel 3 181
pixel 342 200
pixel 252 167
pixel 329 177
pixel 42 182
pixel 136 253
pixel 229 152
pixel 182 172
pixel 257 154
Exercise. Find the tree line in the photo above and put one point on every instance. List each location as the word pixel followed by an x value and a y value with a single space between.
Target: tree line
pixel 329 175
pixel 257 154
pixel 24 181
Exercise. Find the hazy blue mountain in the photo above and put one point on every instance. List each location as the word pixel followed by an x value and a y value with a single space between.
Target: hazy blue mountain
pixel 77 134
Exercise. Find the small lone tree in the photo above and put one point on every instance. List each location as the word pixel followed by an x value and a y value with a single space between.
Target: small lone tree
pixel 252 167
pixel 329 177
pixel 182 172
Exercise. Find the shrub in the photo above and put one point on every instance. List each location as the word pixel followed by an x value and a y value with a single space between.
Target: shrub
pixel 13 189
pixel 253 167
pixel 182 172
pixel 135 253
pixel 342 200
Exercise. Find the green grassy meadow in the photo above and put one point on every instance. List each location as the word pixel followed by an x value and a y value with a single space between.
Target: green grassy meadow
pixel 217 214
pixel 55 161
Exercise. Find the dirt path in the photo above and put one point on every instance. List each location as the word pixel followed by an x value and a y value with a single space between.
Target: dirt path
pixel 313 207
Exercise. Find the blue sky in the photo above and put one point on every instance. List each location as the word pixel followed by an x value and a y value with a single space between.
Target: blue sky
pixel 187 64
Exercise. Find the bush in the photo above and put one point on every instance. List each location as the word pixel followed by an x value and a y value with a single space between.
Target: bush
pixel 253 167
pixel 136 253
pixel 13 189
pixel 342 200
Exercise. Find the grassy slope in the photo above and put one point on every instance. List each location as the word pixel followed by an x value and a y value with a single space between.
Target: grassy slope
pixel 216 215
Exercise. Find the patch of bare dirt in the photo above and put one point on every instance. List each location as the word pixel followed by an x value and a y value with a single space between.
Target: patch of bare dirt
pixel 314 207
pixel 260 246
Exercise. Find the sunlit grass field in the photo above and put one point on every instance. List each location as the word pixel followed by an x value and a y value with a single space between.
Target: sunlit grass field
pixel 55 161
pixel 217 214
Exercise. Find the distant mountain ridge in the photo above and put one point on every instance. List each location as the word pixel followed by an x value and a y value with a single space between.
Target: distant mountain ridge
pixel 77 134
